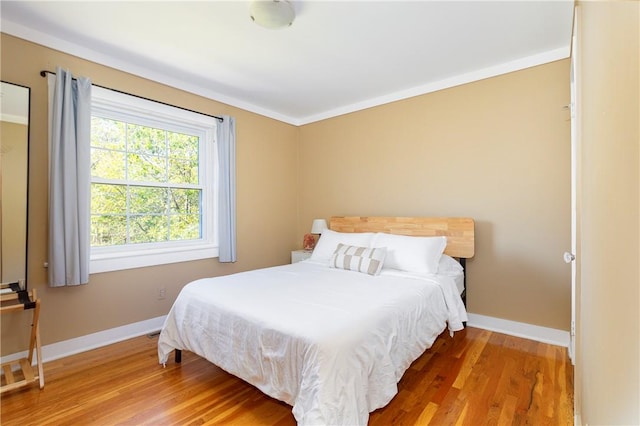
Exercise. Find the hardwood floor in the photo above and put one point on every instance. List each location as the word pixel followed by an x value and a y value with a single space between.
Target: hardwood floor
pixel 476 378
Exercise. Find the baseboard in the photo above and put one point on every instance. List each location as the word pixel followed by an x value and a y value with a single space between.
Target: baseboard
pixel 103 338
pixel 519 329
pixel 92 341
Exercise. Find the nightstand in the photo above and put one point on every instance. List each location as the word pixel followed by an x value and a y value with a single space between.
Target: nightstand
pixel 298 255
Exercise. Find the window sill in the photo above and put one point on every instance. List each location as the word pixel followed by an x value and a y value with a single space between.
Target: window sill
pixel 121 260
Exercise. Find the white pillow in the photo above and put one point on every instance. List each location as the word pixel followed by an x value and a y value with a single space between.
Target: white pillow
pixel 449 266
pixel 329 241
pixel 412 254
pixel 359 259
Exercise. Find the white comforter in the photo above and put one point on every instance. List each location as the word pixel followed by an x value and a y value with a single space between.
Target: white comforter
pixel 331 343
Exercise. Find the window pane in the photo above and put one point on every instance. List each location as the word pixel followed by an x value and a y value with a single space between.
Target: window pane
pixel 147 140
pixel 183 171
pixel 185 201
pixel 147 168
pixel 107 164
pixel 108 199
pixel 185 227
pixel 183 146
pixel 144 199
pixel 185 214
pixel 148 229
pixel 106 133
pixel 108 230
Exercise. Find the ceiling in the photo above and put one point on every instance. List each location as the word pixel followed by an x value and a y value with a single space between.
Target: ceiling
pixel 337 56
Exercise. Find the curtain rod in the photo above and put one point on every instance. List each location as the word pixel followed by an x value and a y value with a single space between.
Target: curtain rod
pixel 44 73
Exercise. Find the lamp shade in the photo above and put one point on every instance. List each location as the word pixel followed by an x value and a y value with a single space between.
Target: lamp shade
pixel 272 13
pixel 318 226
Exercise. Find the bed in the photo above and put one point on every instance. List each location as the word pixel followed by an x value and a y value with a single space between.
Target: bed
pixel 332 335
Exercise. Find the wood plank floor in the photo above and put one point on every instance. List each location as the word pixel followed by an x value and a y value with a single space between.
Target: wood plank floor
pixel 476 378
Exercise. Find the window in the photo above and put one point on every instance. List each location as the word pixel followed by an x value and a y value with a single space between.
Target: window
pixel 153 192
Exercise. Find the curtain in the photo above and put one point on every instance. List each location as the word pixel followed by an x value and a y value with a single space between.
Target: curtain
pixel 69 178
pixel 226 140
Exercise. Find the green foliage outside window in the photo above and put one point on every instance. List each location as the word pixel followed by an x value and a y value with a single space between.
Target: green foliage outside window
pixel 145 185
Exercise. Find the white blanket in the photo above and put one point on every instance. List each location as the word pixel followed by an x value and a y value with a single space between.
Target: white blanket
pixel 331 343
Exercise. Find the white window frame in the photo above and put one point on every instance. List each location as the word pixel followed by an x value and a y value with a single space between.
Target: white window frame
pixel 111 104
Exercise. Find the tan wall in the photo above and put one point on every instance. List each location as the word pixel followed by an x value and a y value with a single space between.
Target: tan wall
pixel 497 150
pixel 266 201
pixel 13 139
pixel 608 345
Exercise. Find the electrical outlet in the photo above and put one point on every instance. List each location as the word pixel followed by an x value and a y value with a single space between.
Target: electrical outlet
pixel 162 293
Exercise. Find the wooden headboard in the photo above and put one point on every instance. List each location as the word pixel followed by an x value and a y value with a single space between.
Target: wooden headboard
pixel 458 230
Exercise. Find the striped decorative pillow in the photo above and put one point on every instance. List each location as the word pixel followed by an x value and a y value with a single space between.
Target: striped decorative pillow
pixel 359 259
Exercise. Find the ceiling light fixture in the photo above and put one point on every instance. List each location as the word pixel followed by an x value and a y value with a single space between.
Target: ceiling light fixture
pixel 272 13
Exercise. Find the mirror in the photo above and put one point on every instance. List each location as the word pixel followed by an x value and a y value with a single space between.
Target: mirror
pixel 14 176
